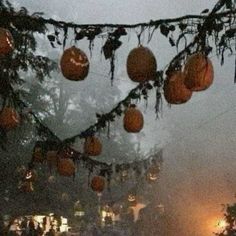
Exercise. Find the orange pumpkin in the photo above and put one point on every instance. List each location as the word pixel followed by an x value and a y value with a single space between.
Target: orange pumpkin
pixel 92 146
pixel 6 42
pixel 133 120
pixel 9 118
pixel 141 65
pixel 66 167
pixel 74 64
pixel 175 91
pixel 98 184
pixel 199 72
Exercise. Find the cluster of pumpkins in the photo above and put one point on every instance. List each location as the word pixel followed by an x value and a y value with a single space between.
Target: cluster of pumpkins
pixel 62 160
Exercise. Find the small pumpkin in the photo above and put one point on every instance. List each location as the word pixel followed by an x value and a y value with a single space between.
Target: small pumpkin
pixel 132 199
pixel 9 118
pixel 92 146
pixel 6 42
pixel 98 184
pixel 74 64
pixel 133 120
pixel 199 72
pixel 141 64
pixel 175 90
pixel 152 173
pixel 66 167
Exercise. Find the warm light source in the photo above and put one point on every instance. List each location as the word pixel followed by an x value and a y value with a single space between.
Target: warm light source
pixel 221 224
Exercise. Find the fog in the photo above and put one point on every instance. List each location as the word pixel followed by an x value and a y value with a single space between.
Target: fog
pixel 198 138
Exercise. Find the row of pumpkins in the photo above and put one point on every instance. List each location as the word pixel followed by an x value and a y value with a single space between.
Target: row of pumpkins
pixel 141 66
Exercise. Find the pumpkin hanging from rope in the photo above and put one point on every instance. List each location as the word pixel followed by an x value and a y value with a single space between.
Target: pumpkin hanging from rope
pixel 141 64
pixel 98 184
pixel 6 42
pixel 199 72
pixel 133 120
pixel 92 146
pixel 66 167
pixel 175 91
pixel 74 64
pixel 9 118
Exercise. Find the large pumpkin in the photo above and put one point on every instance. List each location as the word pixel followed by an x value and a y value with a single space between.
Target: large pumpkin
pixel 74 64
pixel 133 120
pixel 199 72
pixel 98 184
pixel 92 146
pixel 175 91
pixel 66 167
pixel 6 42
pixel 141 64
pixel 9 118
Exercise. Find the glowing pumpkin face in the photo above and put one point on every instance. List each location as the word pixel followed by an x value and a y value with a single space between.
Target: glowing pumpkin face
pixel 74 64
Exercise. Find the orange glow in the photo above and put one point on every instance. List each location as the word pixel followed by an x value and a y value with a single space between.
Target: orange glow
pixel 221 224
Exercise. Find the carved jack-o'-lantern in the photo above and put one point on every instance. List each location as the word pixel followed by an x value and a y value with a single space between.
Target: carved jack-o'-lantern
pixel 141 64
pixel 132 199
pixel 6 42
pixel 66 167
pixel 175 91
pixel 199 72
pixel 74 64
pixel 30 175
pixel 9 118
pixel 92 146
pixel 133 120
pixel 98 184
pixel 152 173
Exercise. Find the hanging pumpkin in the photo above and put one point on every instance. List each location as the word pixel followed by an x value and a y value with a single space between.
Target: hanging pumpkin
pixel 6 41
pixel 9 118
pixel 66 167
pixel 30 175
pixel 132 199
pixel 74 64
pixel 133 120
pixel 199 72
pixel 152 174
pixel 98 184
pixel 175 91
pixel 92 146
pixel 141 64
